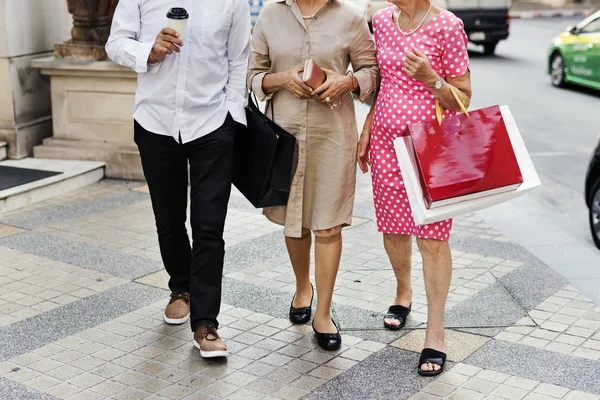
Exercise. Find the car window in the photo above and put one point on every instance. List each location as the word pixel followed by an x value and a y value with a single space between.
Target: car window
pixel 592 27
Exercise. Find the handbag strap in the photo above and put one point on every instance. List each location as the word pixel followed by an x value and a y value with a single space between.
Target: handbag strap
pixel 439 110
pixel 253 103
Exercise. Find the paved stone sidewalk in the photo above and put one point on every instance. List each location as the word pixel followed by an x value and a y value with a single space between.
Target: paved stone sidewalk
pixel 82 290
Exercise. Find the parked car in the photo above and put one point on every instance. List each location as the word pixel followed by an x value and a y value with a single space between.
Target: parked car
pixel 592 195
pixel 574 56
pixel 487 22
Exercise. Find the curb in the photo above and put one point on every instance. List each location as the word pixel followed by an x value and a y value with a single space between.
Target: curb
pixel 549 14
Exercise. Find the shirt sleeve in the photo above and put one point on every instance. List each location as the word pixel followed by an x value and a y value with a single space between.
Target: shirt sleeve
pixel 260 61
pixel 123 46
pixel 238 52
pixel 455 57
pixel 364 60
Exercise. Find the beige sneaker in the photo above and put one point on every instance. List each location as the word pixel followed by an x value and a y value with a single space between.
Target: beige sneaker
pixel 177 311
pixel 208 341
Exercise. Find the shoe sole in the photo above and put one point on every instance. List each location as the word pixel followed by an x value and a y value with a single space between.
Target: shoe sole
pixel 176 321
pixel 210 354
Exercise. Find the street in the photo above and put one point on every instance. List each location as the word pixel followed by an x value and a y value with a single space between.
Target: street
pixel 560 127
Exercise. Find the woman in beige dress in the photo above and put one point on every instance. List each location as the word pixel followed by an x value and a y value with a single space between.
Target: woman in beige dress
pixel 336 36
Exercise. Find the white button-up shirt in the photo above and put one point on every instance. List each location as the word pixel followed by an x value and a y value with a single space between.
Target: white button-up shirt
pixel 189 93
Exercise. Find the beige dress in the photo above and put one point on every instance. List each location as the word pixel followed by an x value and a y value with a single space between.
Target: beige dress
pixel 323 186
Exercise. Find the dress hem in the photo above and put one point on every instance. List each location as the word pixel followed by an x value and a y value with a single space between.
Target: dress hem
pixel 280 223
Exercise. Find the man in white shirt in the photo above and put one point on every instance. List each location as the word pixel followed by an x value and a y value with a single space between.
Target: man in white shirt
pixel 190 95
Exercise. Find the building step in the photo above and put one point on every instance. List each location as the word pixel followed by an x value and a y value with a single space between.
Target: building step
pixel 3 150
pixel 71 175
pixel 122 160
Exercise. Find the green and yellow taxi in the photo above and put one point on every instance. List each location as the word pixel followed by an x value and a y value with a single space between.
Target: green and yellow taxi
pixel 574 56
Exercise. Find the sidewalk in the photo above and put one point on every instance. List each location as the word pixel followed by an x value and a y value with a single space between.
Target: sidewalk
pixel 82 290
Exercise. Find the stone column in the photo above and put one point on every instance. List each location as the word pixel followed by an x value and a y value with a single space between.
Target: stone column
pixel 92 98
pixel 91 28
pixel 28 28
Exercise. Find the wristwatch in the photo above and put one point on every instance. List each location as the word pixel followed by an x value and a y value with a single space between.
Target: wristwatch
pixel 438 85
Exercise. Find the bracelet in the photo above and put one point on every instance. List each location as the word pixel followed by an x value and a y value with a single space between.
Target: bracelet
pixel 354 81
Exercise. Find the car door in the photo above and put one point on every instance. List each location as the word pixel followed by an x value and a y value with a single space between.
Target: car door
pixel 590 54
pixel 580 47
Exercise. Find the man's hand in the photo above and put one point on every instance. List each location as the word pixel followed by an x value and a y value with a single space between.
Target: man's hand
pixel 166 43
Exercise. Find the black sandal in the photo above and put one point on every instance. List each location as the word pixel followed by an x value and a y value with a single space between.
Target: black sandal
pixel 397 312
pixel 431 356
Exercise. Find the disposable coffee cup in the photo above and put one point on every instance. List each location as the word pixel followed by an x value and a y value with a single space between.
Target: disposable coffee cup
pixel 178 20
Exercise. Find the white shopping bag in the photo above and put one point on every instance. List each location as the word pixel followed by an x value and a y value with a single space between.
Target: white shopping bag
pixel 410 176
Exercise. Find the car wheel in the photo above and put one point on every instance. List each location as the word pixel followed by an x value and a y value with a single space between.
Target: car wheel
pixel 595 214
pixel 557 70
pixel 489 48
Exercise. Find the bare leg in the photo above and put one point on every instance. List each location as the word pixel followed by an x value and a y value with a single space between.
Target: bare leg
pixel 299 252
pixel 437 271
pixel 328 253
pixel 399 251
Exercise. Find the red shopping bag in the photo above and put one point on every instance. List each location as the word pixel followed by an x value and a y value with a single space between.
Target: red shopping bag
pixel 464 157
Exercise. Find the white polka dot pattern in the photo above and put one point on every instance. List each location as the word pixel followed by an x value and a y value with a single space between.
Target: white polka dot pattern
pixel 403 100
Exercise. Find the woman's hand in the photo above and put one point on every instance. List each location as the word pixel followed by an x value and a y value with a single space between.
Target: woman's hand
pixel 334 87
pixel 364 148
pixel 417 66
pixel 290 80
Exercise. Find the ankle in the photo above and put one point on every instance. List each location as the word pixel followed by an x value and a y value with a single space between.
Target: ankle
pixel 404 297
pixel 322 317
pixel 435 336
pixel 304 288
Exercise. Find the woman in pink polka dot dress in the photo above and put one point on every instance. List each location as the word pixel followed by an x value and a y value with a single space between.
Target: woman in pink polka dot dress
pixel 421 52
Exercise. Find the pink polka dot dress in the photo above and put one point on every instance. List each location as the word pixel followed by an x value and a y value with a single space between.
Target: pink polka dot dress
pixel 403 100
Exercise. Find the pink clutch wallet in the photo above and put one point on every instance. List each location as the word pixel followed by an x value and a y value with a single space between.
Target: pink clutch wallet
pixel 313 74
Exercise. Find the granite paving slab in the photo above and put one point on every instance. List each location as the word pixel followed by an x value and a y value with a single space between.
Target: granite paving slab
pixel 532 284
pixel 13 390
pixel 73 209
pixel 31 285
pixel 465 381
pixel 492 307
pixel 268 356
pixel 8 230
pixel 567 322
pixel 82 254
pixel 540 365
pixel 388 374
pixel 40 330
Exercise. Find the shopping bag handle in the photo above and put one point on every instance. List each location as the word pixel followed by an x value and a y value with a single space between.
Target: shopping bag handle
pixel 439 110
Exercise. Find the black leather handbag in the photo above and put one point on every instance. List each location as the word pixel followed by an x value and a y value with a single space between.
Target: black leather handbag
pixel 264 159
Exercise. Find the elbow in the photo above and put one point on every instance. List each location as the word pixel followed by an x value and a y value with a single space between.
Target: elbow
pixel 467 101
pixel 109 48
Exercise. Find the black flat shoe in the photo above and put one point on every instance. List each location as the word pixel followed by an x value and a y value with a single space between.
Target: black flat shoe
pixel 399 313
pixel 431 356
pixel 328 341
pixel 301 316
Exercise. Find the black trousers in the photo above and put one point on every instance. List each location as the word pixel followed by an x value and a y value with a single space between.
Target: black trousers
pixel 197 269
